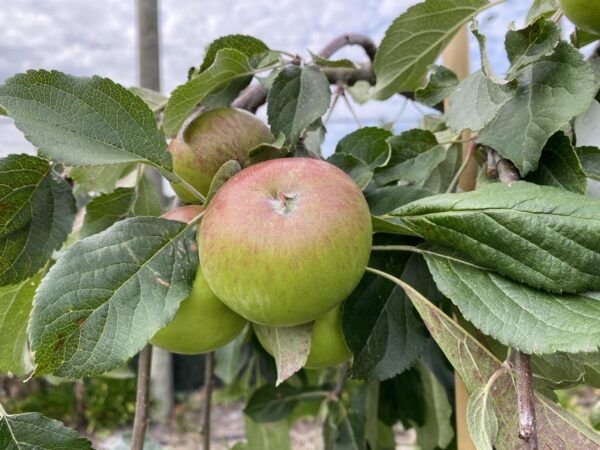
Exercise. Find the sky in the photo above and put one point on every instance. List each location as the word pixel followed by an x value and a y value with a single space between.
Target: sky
pixel 100 38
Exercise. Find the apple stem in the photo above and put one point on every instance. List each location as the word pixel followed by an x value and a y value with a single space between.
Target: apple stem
pixel 341 381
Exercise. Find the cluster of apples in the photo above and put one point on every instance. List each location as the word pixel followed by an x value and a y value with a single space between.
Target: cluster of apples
pixel 282 243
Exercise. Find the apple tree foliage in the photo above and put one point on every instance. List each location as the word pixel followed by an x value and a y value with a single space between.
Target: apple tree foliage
pixel 457 282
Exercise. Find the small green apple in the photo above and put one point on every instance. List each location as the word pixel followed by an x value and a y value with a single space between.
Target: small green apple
pixel 286 240
pixel 202 322
pixel 585 14
pixel 209 141
pixel 327 345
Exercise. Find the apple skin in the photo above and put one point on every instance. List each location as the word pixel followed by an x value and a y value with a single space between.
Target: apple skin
pixel 209 141
pixel 202 322
pixel 327 345
pixel 585 14
pixel 286 240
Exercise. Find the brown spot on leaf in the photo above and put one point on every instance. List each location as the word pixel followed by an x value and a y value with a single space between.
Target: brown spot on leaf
pixel 60 343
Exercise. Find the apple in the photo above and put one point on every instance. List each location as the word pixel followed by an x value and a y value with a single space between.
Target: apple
pixel 585 14
pixel 286 240
pixel 202 322
pixel 327 345
pixel 209 141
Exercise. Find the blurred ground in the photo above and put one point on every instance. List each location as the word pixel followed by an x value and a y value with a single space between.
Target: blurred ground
pixel 227 429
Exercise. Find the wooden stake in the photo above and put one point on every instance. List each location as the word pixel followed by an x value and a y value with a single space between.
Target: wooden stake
pixel 456 58
pixel 209 363
pixel 142 400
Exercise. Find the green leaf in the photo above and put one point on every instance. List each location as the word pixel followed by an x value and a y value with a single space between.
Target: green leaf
pixel 358 170
pixel 34 431
pixel 225 95
pixel 415 40
pixel 486 66
pixel 475 365
pixel 313 140
pixel 437 430
pixel 154 100
pixel 101 179
pixel 580 38
pixel 265 151
pixel 229 360
pixel 299 96
pixel 442 82
pixel 546 322
pixel 564 370
pixel 401 399
pixel 36 217
pixel 82 121
pixel 481 419
pixel 386 199
pixel 368 144
pixel 339 63
pixel 559 166
pixel 551 91
pixel 441 176
pixel 3 112
pixel 290 347
pixel 105 210
pixel 390 225
pixel 360 91
pixel 15 305
pixel 266 81
pixel 529 44
pixel 146 201
pixel 269 403
pixel 541 8
pixel 590 161
pixel 343 429
pixel 225 172
pixel 538 235
pixel 267 436
pixel 108 294
pixel 379 324
pixel 228 65
pixel 476 102
pixel 246 45
pixel 415 153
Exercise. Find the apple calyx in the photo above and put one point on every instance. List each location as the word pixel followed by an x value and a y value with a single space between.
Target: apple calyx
pixel 284 203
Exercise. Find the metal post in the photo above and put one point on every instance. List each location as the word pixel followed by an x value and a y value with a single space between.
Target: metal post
pixel 149 76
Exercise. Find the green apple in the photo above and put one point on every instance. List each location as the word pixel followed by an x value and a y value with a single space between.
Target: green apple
pixel 327 345
pixel 585 14
pixel 286 240
pixel 202 322
pixel 209 141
